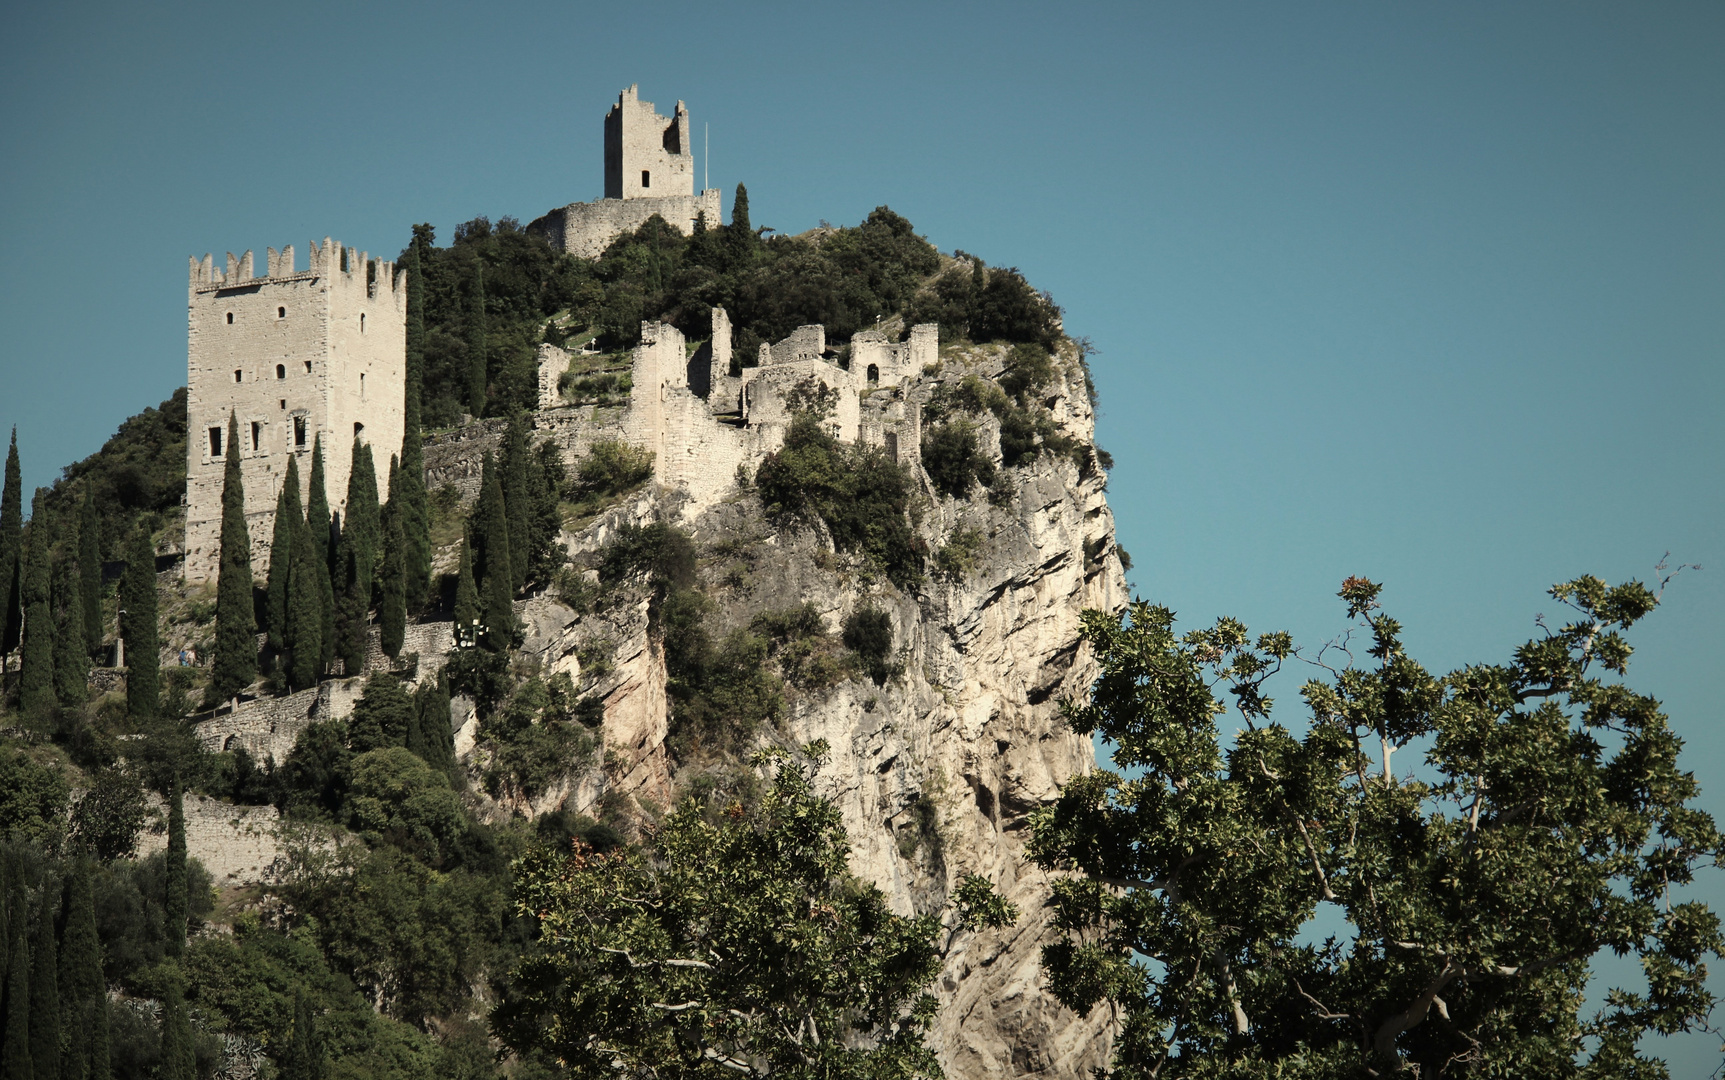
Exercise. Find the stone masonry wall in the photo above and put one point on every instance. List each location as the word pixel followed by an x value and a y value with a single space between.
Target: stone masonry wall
pixel 586 229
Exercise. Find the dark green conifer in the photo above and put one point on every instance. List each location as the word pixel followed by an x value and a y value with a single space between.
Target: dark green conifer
pixel 489 525
pixel 303 1057
pixel 362 520
pixel 90 571
pixel 36 679
pixel 317 502
pixel 12 552
pixel 179 1056
pixel 83 988
pixel 138 629
pixel 392 605
pixel 516 502
pixel 307 584
pixel 466 593
pixel 174 903
pixel 350 605
pixel 15 1059
pixel 235 664
pixel 431 704
pixel 476 344
pixel 289 521
pixel 740 234
pixel 71 655
pixel 416 507
pixel 44 989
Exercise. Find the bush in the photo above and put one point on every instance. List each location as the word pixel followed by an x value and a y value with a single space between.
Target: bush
pixel 959 556
pixel 395 796
pixel 861 496
pixel 32 799
pixel 536 739
pixel 664 552
pixel 797 638
pixel 952 461
pixel 868 633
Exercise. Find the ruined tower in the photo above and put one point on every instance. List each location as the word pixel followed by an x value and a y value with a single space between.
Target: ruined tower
pixel 649 169
pixel 293 355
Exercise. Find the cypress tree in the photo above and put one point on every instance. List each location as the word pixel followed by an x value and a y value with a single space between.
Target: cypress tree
pixel 431 706
pixel 44 990
pixel 499 611
pixel 83 988
pixel 466 593
pixel 143 648
pixel 175 901
pixel 303 1057
pixel 363 518
pixel 36 679
pixel 416 507
pixel 11 552
pixel 90 571
pixel 516 502
pixel 317 502
pixel 71 656
pixel 15 1058
pixel 392 608
pixel 476 344
pixel 490 526
pixel 740 234
pixel 306 583
pixel 288 523
pixel 236 660
pixel 179 1057
pixel 350 607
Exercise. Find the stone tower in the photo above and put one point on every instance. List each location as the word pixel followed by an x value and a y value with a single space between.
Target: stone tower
pixel 649 169
pixel 294 355
pixel 646 156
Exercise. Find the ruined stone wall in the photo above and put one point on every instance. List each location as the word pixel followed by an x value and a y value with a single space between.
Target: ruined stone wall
pixel 294 356
pixel 586 229
pixel 236 844
pixel 647 155
pixel 553 362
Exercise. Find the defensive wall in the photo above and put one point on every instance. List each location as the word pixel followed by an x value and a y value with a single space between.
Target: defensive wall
pixel 294 356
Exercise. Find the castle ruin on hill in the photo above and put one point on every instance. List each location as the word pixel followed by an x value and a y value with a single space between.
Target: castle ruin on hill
pixel 294 356
pixel 649 169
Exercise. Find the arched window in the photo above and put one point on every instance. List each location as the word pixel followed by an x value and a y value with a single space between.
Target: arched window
pixel 281 371
pixel 230 318
pixel 281 313
pixel 873 374
pixel 236 374
pixel 358 429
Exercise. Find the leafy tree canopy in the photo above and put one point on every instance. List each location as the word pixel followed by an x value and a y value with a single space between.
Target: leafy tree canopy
pixel 1547 820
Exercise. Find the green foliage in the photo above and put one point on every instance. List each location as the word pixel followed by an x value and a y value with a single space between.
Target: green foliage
pixel 11 551
pixel 957 559
pixel 283 543
pixel 980 907
pixel 535 739
pixel 398 798
pixel 139 474
pixel 736 944
pixel 491 565
pixel 868 633
pixel 108 817
pixel 90 570
pixel 392 606
pixel 32 799
pixel 611 468
pixel 235 663
pixel 176 898
pixel 662 551
pixel 382 716
pixel 71 655
pixel 861 496
pixel 308 589
pixel 15 1056
pixel 953 462
pixel 83 990
pixel 143 645
pixel 1548 820
pixel 798 640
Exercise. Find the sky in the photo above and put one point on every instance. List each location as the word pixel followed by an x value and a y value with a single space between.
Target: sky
pixel 1431 293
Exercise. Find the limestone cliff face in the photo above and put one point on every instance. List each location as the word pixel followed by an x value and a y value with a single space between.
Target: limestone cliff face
pixel 936 769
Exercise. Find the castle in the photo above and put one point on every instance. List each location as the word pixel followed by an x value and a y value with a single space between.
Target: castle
pixel 294 355
pixel 649 169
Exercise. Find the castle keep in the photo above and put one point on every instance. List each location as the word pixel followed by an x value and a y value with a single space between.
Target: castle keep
pixel 295 354
pixel 649 169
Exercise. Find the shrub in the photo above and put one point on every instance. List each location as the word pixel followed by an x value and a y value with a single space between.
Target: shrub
pixel 666 553
pixel 797 638
pixel 868 633
pixel 612 468
pixel 398 797
pixel 960 554
pixel 952 461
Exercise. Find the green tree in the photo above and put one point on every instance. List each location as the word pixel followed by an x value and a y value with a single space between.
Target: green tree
pixel 36 675
pixel 44 988
pixel 303 1058
pixel 392 606
pixel 32 798
pixel 11 551
pixel 139 629
pixel 517 507
pixel 288 521
pixel 491 536
pixel 431 723
pixel 235 663
pixel 179 1054
pixel 477 345
pixel 356 561
pixel 1547 821
pixel 319 525
pixel 83 988
pixel 740 240
pixel 15 1057
pixel 466 592
pixel 90 571
pixel 175 899
pixel 308 584
pixel 71 652
pixel 735 944
pixel 109 816
pixel 416 508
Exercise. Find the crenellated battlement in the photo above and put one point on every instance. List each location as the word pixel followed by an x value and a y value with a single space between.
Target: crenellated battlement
pixel 329 260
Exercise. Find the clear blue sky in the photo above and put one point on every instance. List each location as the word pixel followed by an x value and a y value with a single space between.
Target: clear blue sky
pixel 1431 293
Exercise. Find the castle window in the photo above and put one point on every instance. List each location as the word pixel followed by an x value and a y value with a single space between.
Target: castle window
pixel 215 442
pixel 358 429
pixel 362 386
pixel 281 313
pixel 362 322
pixel 646 182
pixel 236 374
pixel 284 403
pixel 298 431
pixel 257 436
pixel 281 371
pixel 873 374
pixel 308 367
pixel 230 318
